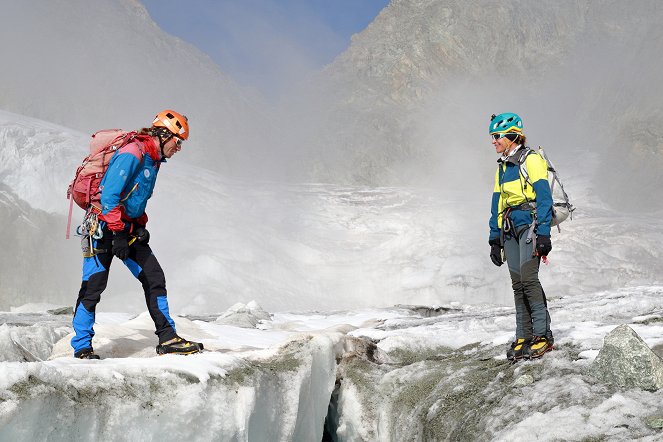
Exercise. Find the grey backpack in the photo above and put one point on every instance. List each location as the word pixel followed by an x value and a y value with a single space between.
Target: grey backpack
pixel 562 207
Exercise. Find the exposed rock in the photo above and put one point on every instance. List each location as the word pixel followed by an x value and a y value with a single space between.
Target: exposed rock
pixel 626 361
pixel 61 311
pixel 363 348
pixel 428 312
pixel 655 422
pixel 524 380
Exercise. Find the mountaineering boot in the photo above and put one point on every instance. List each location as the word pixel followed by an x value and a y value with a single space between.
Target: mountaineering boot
pixel 515 352
pixel 86 353
pixel 179 346
pixel 537 347
pixel 551 341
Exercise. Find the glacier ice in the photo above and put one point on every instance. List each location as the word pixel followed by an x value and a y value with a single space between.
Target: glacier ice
pixel 396 373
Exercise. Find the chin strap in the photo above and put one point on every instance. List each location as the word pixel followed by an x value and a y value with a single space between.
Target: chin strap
pixel 164 135
pixel 161 143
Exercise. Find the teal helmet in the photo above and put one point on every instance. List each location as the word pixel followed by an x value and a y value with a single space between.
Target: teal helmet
pixel 504 123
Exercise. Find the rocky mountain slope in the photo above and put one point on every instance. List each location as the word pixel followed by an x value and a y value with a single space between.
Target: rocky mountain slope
pixel 419 84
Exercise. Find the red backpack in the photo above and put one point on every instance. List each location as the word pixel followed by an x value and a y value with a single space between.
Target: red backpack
pixel 84 188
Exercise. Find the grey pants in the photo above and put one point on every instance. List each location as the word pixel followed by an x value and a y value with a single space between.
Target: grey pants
pixel 532 317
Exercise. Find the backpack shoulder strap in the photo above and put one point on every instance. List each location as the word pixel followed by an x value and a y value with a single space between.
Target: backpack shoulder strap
pixel 522 163
pixel 133 146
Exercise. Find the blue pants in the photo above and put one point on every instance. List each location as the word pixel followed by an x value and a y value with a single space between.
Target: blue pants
pixel 532 317
pixel 144 266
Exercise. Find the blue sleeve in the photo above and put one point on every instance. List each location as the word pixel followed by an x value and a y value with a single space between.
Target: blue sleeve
pixel 118 177
pixel 544 204
pixel 494 212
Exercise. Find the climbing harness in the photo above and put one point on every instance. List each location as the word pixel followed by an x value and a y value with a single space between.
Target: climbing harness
pixel 90 230
pixel 508 227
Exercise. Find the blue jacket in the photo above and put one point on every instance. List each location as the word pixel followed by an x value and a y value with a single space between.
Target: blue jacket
pixel 129 182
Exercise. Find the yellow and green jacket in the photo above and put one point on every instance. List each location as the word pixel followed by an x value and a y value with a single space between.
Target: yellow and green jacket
pixel 512 189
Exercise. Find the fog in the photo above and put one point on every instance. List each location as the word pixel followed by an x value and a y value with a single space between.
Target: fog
pixel 90 65
pixel 410 100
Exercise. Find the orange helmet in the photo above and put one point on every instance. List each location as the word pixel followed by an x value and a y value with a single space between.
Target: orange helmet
pixel 177 124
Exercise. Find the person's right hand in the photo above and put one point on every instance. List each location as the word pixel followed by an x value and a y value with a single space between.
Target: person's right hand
pixel 496 251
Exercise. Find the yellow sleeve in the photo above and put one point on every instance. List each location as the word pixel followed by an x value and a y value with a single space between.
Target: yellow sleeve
pixel 537 168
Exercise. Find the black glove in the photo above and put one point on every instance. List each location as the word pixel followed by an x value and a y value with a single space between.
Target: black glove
pixel 142 235
pixel 543 245
pixel 496 251
pixel 120 245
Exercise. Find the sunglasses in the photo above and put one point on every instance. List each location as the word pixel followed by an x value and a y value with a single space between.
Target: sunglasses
pixel 178 141
pixel 498 136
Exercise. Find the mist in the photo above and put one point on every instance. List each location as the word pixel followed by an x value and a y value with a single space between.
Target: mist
pixel 409 102
pixel 95 65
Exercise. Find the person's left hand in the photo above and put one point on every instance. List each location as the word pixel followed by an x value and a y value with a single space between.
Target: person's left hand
pixel 543 245
pixel 142 235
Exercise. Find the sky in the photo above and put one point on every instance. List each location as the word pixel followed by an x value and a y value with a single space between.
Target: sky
pixel 267 44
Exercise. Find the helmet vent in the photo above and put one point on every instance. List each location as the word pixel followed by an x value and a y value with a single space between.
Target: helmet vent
pixel 506 122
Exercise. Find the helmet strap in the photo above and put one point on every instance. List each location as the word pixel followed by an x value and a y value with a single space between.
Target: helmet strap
pixel 163 135
pixel 162 143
